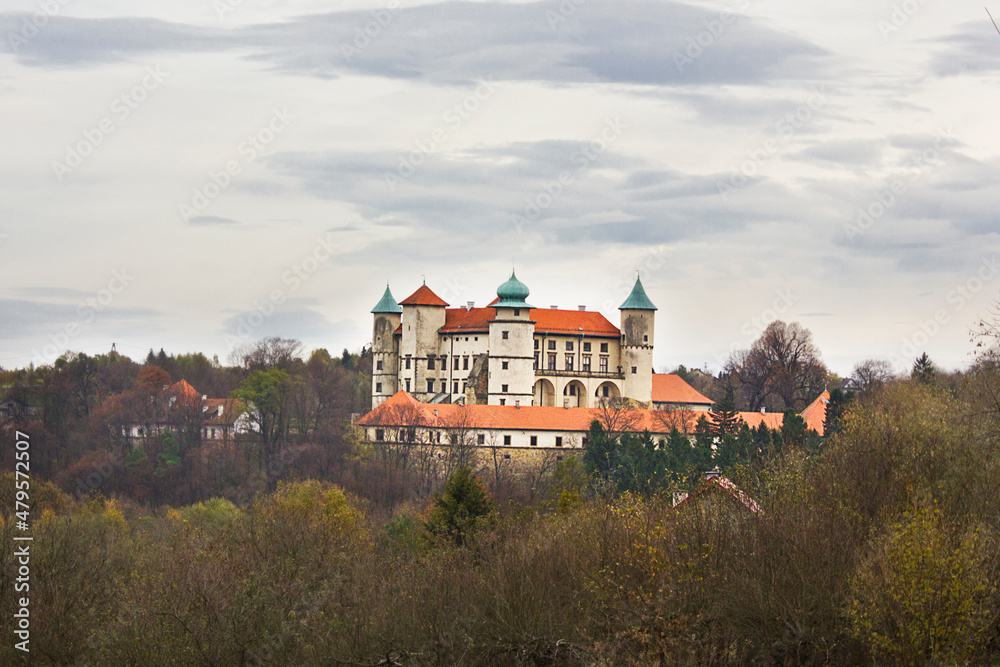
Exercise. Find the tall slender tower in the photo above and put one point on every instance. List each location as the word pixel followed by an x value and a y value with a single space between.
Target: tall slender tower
pixel 511 357
pixel 385 355
pixel 637 315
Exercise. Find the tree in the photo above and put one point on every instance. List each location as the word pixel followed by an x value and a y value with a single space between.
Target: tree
pixel 460 508
pixel 266 353
pixel 782 364
pixel 725 420
pixel 871 375
pixel 923 371
pixel 265 393
pixel 152 380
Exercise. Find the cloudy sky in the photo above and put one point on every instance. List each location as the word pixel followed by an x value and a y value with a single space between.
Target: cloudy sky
pixel 211 171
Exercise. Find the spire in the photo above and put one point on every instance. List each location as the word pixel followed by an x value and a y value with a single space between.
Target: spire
pixel 637 300
pixel 387 304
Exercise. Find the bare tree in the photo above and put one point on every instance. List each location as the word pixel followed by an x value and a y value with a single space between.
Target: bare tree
pixel 871 375
pixel 783 363
pixel 266 353
pixel 617 416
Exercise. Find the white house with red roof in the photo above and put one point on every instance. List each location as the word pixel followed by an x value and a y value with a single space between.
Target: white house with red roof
pixel 511 353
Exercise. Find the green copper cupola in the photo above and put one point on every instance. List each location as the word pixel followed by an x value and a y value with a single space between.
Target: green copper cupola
pixel 637 300
pixel 387 304
pixel 512 294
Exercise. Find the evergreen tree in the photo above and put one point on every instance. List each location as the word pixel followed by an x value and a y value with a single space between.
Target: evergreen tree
pixel 600 458
pixel 840 400
pixel 793 430
pixel 725 420
pixel 460 508
pixel 923 369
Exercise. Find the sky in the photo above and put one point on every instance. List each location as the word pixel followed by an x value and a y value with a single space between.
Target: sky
pixel 209 172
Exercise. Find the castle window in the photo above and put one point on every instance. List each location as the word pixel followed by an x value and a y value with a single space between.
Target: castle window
pixel 552 345
pixel 536 362
pixel 534 441
pixel 569 345
pixel 604 347
pixel 517 312
pixel 407 363
pixel 645 339
pixel 481 439
pixel 506 456
pixel 407 385
pixel 456 363
pixel 558 441
pixel 605 391
pixel 378 387
pixel 475 338
pixel 634 370
pixel 506 335
pixel 503 401
pixel 506 441
pixel 604 364
pixel 504 364
pixel 536 343
pixel 552 362
pixel 465 387
pixel 586 364
pixel 454 388
pixel 379 434
pixel 503 388
pixel 465 363
pixel 430 385
pixel 584 441
pixel 569 362
pixel 378 365
pixel 430 363
pixel 571 389
pixel 586 347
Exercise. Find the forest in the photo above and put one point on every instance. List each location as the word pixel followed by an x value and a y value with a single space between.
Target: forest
pixel 303 544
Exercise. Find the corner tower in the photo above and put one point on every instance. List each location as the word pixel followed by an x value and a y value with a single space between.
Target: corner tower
pixel 511 356
pixel 385 354
pixel 637 318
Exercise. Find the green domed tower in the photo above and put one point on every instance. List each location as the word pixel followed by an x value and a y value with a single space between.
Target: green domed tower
pixel 385 353
pixel 637 318
pixel 511 356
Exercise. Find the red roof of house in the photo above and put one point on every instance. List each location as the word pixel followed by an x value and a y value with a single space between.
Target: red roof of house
pixel 671 388
pixel 551 321
pixel 773 420
pixel 184 390
pixel 726 487
pixel 423 297
pixel 815 413
pixel 231 410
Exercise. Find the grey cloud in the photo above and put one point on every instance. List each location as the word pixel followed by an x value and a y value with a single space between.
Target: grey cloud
pixel 849 152
pixel 23 319
pixel 457 43
pixel 211 220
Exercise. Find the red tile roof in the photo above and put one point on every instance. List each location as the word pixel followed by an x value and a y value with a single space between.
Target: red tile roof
pixel 551 321
pixel 815 413
pixel 231 410
pixel 671 388
pixel 727 488
pixel 423 297
pixel 184 390
pixel 772 419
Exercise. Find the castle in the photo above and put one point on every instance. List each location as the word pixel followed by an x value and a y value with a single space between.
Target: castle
pixel 512 353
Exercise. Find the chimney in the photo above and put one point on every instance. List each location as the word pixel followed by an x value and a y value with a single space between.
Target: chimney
pixel 763 411
pixel 469 305
pixel 712 474
pixel 517 405
pixel 566 403
pixel 581 308
pixel 554 307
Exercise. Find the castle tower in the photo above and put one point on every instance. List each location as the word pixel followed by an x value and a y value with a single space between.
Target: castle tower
pixel 511 357
pixel 419 365
pixel 385 355
pixel 637 315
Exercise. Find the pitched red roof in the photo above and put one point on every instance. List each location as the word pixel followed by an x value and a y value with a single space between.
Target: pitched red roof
pixel 815 413
pixel 671 388
pixel 184 390
pixel 423 297
pixel 232 408
pixel 727 488
pixel 552 321
pixel 773 420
